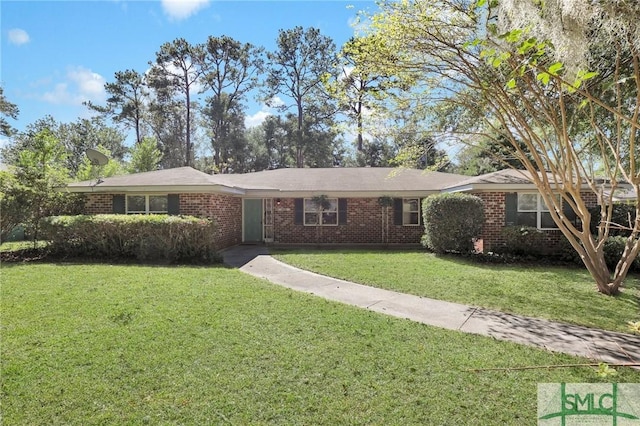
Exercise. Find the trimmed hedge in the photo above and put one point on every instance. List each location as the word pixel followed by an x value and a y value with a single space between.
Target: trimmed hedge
pixel 451 222
pixel 141 237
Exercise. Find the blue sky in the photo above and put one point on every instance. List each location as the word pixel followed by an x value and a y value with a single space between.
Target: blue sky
pixel 57 54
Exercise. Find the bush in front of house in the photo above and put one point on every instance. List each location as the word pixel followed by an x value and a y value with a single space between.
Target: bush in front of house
pixel 141 237
pixel 451 222
pixel 613 248
pixel 622 216
pixel 523 241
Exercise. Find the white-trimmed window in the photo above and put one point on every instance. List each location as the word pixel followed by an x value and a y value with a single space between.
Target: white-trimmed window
pixel 147 204
pixel 411 211
pixel 328 215
pixel 532 211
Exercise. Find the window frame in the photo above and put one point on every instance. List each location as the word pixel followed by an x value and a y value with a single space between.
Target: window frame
pixel 405 213
pixel 147 204
pixel 541 208
pixel 315 212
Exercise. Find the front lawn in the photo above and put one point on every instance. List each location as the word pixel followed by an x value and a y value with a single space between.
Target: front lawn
pixel 564 294
pixel 101 344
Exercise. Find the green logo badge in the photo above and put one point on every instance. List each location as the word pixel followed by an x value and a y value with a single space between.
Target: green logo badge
pixel 588 404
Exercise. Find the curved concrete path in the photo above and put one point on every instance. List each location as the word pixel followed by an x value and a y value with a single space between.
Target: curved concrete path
pixel 595 344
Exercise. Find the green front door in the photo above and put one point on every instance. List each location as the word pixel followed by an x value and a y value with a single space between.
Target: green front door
pixel 252 222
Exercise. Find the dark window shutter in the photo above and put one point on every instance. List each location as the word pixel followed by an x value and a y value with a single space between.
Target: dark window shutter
pixel 342 211
pixel 397 211
pixel 568 212
pixel 298 211
pixel 511 209
pixel 173 204
pixel 119 204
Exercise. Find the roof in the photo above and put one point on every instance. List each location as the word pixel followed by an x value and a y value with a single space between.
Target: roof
pixel 501 179
pixel 379 180
pixel 331 180
pixel 179 179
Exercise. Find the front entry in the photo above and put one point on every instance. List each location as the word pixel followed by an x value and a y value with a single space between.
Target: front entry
pixel 252 220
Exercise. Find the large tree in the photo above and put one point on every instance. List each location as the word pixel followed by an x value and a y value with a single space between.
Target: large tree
pixel 297 70
pixel 177 71
pixel 559 80
pixel 7 109
pixel 74 138
pixel 230 70
pixel 128 96
pixel 28 191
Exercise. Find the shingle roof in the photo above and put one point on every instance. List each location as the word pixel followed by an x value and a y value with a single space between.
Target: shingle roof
pixel 506 177
pixel 361 179
pixel 178 176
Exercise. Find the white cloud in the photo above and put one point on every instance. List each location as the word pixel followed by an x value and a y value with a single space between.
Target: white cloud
pixel 276 102
pixel 182 9
pixel 257 118
pixel 80 85
pixel 266 110
pixel 18 36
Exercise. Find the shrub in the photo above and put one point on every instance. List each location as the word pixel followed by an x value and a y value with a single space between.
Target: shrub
pixel 620 216
pixel 613 248
pixel 523 241
pixel 451 222
pixel 144 237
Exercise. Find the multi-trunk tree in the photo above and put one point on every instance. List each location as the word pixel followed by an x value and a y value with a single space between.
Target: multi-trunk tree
pixel 558 80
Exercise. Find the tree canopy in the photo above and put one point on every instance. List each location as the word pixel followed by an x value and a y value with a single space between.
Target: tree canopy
pixel 514 68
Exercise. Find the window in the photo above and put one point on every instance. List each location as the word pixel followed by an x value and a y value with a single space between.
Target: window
pixel 328 215
pixel 411 211
pixel 147 204
pixel 532 211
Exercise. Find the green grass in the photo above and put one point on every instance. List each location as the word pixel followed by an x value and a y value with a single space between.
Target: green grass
pixel 558 293
pixel 103 344
pixel 12 246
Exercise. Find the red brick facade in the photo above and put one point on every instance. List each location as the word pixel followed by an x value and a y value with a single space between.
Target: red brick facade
pixel 367 223
pixel 224 210
pixel 98 204
pixel 494 220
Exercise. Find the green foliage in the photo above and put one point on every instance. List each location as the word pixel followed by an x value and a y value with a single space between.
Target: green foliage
pixel 144 237
pixel 29 190
pixel 451 222
pixel 145 156
pixel 88 171
pixel 613 248
pixel 622 219
pixel 7 109
pixel 523 241
pixel 298 69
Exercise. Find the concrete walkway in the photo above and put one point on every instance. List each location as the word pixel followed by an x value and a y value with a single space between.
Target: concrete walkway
pixel 598 345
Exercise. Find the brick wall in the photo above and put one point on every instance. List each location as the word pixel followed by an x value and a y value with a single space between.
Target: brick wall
pixel 226 211
pixel 365 225
pixel 494 211
pixel 98 204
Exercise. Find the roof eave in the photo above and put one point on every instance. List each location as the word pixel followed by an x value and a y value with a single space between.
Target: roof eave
pixel 173 189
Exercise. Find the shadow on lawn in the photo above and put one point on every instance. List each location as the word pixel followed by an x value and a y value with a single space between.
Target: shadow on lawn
pixel 607 345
